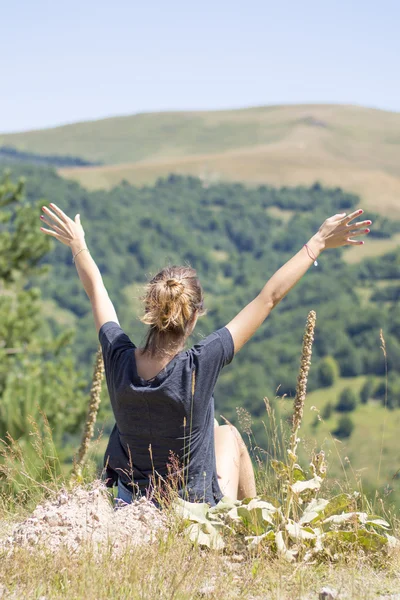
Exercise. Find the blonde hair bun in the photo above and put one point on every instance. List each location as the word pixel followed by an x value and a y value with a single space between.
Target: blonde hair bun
pixel 171 300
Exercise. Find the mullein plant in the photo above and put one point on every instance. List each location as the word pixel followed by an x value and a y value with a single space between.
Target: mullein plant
pixel 94 403
pixel 298 525
pixel 293 472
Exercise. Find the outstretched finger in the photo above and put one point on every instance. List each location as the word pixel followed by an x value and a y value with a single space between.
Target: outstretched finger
pixel 50 224
pixel 54 234
pixel 360 224
pixel 355 232
pixel 352 216
pixel 54 217
pixel 59 212
pixel 350 242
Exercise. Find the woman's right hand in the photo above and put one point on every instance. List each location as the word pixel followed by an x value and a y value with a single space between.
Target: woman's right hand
pixel 67 231
pixel 339 231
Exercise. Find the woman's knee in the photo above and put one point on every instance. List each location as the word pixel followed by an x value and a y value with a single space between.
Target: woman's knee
pixel 230 432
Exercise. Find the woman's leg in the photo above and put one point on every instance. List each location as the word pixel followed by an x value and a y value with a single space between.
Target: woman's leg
pixel 234 468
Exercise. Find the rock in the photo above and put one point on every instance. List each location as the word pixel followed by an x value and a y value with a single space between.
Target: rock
pixel 237 558
pixel 328 593
pixel 207 590
pixel 32 540
pixel 87 515
pixel 62 498
pixel 53 519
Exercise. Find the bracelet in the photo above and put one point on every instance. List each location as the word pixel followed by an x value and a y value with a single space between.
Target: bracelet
pixel 311 255
pixel 79 251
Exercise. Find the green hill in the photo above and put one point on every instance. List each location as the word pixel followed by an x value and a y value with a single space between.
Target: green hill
pixel 358 148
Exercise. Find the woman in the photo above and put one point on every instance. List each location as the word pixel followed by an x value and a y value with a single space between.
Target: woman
pixel 162 395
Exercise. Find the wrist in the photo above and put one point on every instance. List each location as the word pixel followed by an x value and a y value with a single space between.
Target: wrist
pixel 77 245
pixel 317 244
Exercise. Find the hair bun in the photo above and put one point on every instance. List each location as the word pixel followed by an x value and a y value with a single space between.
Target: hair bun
pixel 173 284
pixel 172 298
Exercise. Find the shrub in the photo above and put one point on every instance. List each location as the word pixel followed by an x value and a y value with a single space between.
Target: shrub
pixel 347 400
pixel 327 411
pixel 367 391
pixel 344 428
pixel 350 361
pixel 328 371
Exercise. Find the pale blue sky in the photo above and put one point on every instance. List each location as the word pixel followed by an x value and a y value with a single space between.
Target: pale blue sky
pixel 68 61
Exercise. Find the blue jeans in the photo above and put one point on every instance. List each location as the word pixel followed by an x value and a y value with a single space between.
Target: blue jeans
pixel 123 494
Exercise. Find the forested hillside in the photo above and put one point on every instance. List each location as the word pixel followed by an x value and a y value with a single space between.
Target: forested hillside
pixel 236 238
pixel 280 145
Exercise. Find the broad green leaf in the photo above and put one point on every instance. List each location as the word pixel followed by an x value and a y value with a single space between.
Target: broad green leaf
pixel 367 539
pixel 205 536
pixel 313 510
pixel 224 505
pixel 232 515
pixel 338 504
pixel 192 511
pixel 371 540
pixel 281 470
pixel 297 532
pixel 265 538
pixel 346 517
pixel 377 521
pixel 257 503
pixel 282 550
pixel 298 474
pixel 312 484
pixel 255 520
pixel 271 499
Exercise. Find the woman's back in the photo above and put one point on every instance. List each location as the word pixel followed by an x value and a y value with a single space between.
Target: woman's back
pixel 171 413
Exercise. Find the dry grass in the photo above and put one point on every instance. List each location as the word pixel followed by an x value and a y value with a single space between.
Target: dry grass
pixel 378 190
pixel 175 569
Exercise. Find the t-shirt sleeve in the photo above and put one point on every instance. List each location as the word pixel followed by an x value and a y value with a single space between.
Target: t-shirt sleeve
pixel 210 356
pixel 113 341
pixel 216 350
pixel 228 349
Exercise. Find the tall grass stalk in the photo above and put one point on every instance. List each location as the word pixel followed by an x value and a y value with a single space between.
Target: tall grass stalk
pixel 383 348
pixel 299 401
pixel 94 403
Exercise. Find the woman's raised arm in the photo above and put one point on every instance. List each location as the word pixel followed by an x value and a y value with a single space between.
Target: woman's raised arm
pixel 71 234
pixel 334 232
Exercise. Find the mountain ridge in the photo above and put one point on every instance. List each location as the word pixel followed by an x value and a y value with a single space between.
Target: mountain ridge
pixel 357 148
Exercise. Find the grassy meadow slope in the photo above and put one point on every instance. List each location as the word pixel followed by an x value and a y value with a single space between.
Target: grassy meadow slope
pixel 354 147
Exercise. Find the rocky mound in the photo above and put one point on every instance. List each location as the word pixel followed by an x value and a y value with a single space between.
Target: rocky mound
pixel 87 516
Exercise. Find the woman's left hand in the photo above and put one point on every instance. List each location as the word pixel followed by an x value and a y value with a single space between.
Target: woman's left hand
pixel 63 228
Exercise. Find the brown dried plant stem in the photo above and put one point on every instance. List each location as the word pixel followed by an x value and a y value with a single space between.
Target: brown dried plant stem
pixel 94 404
pixel 383 348
pixel 300 397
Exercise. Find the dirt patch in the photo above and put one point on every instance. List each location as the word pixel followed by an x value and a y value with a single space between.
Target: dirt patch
pixel 87 516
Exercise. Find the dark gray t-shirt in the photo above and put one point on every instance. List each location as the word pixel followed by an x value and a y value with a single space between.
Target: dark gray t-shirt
pixel 158 416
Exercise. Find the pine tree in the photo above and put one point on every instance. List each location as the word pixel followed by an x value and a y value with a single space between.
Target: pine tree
pixel 37 374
